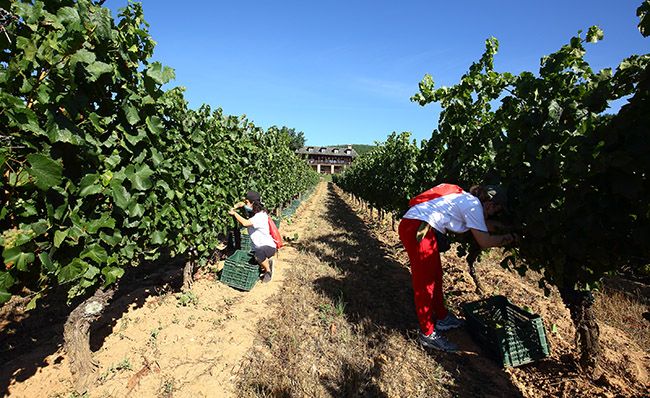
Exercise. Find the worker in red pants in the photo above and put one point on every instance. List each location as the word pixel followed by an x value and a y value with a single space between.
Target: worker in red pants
pixel 444 208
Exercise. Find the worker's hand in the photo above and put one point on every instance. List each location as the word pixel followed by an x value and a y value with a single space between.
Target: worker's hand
pixel 232 211
pixel 238 205
pixel 512 239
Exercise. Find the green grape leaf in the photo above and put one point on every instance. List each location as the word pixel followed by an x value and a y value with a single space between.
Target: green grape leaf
pixel 120 195
pixel 111 274
pixel 132 115
pixel 46 171
pixel 105 221
pixel 158 237
pixel 89 185
pixel 135 210
pixel 140 176
pixel 111 240
pixel 16 257
pixel 155 125
pixel 97 69
pixel 32 303
pixel 74 270
pixel 160 74
pixel 83 55
pixel 4 296
pixel 46 261
pixel 59 237
pixel 91 273
pixel 6 280
pixel 96 253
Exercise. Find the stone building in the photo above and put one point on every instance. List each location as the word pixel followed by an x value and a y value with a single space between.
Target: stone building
pixel 327 159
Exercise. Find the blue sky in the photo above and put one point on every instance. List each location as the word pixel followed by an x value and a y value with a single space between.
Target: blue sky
pixel 343 71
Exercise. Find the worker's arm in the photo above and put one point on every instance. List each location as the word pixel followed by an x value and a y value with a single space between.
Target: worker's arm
pixel 243 221
pixel 485 239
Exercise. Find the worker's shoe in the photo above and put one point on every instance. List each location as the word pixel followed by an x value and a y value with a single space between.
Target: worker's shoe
pixel 437 342
pixel 448 322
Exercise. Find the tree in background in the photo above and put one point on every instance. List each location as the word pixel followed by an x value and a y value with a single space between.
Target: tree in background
pixel 297 138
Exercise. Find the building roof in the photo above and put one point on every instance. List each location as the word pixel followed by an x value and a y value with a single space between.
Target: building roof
pixel 328 150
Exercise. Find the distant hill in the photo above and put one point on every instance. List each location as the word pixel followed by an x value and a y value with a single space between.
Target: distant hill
pixel 359 148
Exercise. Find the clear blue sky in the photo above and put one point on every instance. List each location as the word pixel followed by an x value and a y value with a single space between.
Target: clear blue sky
pixel 343 71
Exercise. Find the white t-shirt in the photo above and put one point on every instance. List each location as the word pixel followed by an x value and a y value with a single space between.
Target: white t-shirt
pixel 259 231
pixel 457 212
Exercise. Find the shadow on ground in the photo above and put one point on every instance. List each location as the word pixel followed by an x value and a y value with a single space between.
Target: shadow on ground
pixel 355 384
pixel 378 296
pixel 28 338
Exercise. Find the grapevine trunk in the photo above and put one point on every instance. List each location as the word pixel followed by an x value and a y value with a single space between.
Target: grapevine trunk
pixel 580 305
pixel 76 334
pixel 188 271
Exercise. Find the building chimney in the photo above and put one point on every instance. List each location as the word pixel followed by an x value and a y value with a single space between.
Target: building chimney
pixel 349 146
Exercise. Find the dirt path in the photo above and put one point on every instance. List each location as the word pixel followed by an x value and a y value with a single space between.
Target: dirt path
pixel 171 345
pixel 351 309
pixel 347 309
pixel 337 320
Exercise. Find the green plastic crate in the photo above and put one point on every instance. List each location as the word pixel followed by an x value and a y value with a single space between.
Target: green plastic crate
pixel 245 243
pixel 516 337
pixel 240 271
pixel 286 213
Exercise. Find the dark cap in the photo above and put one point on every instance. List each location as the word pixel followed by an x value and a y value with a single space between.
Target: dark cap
pixel 253 196
pixel 497 195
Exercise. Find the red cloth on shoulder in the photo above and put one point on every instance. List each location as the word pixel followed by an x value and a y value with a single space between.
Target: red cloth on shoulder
pixel 435 192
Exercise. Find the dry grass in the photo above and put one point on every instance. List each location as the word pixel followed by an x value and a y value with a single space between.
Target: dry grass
pixel 344 325
pixel 618 310
pixel 311 349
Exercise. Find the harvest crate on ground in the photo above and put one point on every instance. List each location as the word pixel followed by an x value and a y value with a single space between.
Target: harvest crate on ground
pixel 240 270
pixel 289 211
pixel 245 243
pixel 514 335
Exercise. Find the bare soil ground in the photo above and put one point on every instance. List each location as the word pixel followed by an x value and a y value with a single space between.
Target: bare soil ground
pixel 337 320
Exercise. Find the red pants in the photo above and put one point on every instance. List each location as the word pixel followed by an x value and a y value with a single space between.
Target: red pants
pixel 426 274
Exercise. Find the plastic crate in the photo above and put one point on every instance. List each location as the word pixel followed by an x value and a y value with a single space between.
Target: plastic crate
pixel 240 271
pixel 516 337
pixel 245 243
pixel 288 212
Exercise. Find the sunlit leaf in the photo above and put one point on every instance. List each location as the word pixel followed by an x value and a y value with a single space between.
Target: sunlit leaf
pixel 46 171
